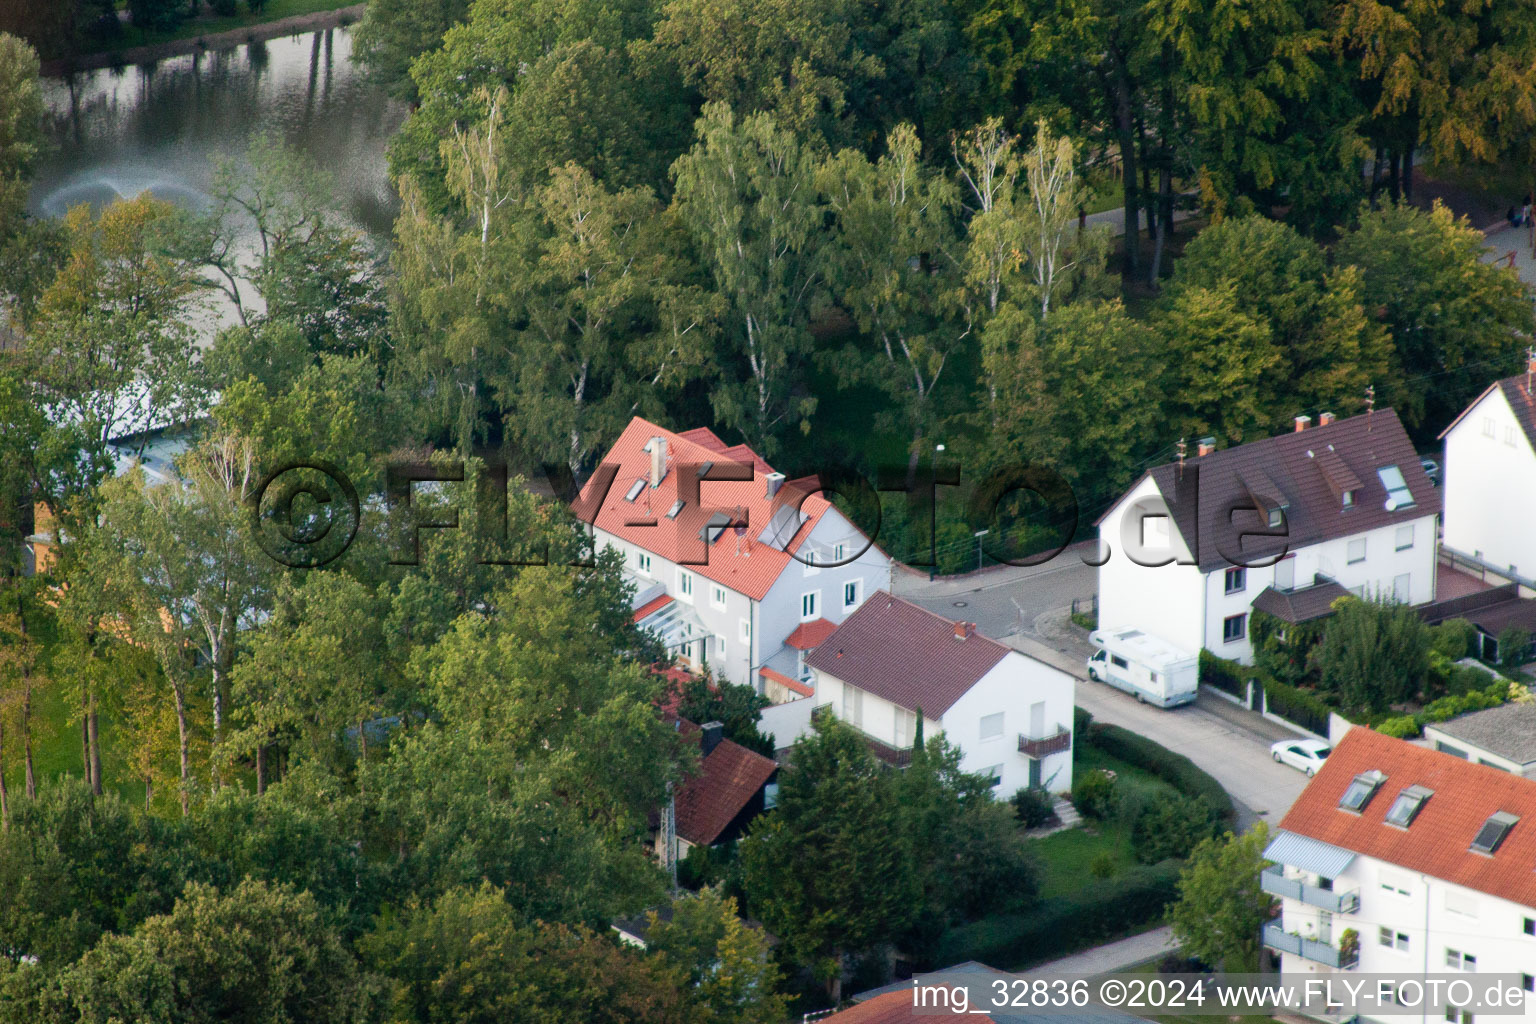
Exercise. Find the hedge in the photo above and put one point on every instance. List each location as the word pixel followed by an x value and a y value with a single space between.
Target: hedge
pixel 1296 705
pixel 1054 927
pixel 1175 769
pixel 1224 675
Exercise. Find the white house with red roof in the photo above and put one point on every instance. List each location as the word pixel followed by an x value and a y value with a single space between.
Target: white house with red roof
pixel 730 560
pixel 1490 478
pixel 891 661
pixel 1428 859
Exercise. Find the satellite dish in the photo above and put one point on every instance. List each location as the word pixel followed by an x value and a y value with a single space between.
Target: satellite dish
pixel 1391 504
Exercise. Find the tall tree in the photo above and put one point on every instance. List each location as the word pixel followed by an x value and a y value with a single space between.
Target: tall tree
pixel 1222 365
pixel 393 33
pixel 1374 653
pixel 1221 908
pixel 747 193
pixel 725 965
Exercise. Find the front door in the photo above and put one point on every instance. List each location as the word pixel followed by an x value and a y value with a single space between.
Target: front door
pixel 1325 927
pixel 1034 773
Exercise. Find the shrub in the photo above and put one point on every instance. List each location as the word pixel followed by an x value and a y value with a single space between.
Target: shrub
pixel 1082 721
pixel 1173 963
pixel 1224 675
pixel 1514 646
pixel 1402 727
pixel 1297 706
pixel 1093 794
pixel 1172 828
pixel 1103 865
pixel 1453 639
pixel 1175 769
pixel 1034 807
pixel 1062 924
pixel 224 8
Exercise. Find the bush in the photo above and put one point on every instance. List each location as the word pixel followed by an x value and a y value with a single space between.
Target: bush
pixel 1173 963
pixel 1103 865
pixel 1082 721
pixel 1401 727
pixel 1295 705
pixel 1172 828
pixel 1093 794
pixel 158 15
pixel 1453 639
pixel 1224 675
pixel 1062 924
pixel 1514 646
pixel 224 8
pixel 1034 807
pixel 1175 769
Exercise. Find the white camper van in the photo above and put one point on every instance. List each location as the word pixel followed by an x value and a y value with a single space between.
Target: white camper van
pixel 1151 669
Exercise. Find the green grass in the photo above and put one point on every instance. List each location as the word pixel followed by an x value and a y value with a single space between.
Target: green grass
pixel 1150 969
pixel 209 24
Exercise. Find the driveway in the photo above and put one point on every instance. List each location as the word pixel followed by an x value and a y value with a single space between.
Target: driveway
pixel 1028 609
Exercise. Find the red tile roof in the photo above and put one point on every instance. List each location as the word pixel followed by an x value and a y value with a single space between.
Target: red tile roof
pixel 895 1008
pixel 1436 843
pixel 651 607
pixel 906 654
pixel 810 635
pixel 793 684
pixel 746 565
pixel 727 780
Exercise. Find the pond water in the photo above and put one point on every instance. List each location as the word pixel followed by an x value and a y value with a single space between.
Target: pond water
pixel 160 128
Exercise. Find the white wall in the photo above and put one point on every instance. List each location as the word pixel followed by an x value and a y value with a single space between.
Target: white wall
pixel 787 722
pixel 1471 752
pixel 1167 600
pixel 1484 478
pixel 1012 687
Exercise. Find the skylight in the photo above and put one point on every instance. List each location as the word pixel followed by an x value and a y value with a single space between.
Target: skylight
pixel 1493 832
pixel 704 468
pixel 1361 790
pixel 1407 806
pixel 677 506
pixel 1398 494
pixel 635 489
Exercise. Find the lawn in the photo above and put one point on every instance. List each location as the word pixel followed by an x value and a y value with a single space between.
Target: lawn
pixel 1150 969
pixel 209 24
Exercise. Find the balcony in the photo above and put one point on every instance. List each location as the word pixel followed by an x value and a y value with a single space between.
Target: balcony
pixel 896 757
pixel 1274 882
pixel 1039 747
pixel 1279 939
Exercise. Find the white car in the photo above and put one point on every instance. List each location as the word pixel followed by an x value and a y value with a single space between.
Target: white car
pixel 1303 755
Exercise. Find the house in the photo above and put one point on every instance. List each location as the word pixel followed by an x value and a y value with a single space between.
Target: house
pixel 891 661
pixel 1490 476
pixel 1398 860
pixel 1284 524
pixel 1491 610
pixel 714 805
pixel 1503 737
pixel 966 990
pixel 726 570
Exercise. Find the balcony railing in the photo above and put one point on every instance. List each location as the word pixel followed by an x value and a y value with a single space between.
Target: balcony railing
pixel 1318 952
pixel 1038 747
pixel 1274 882
pixel 896 757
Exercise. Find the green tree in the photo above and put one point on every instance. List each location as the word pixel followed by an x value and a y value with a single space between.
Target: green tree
pixel 393 33
pixel 747 193
pixel 1171 827
pixel 726 966
pixel 21 126
pixel 1456 321
pixel 256 953
pixel 1222 365
pixel 1374 653
pixel 807 867
pixel 1221 908
pixel 733 705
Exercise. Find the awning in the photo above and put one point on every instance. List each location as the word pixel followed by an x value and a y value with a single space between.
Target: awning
pixel 1308 854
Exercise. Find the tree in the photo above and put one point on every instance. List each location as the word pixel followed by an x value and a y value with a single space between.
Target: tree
pixel 1060 256
pixel 747 193
pixel 393 33
pixel 256 953
pixel 1375 653
pixel 1221 908
pixel 735 706
pixel 1222 365
pixel 807 867
pixel 1456 322
pixel 21 127
pixel 726 966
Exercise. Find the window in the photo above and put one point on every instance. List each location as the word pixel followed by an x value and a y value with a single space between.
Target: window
pixel 812 562
pixel 719 645
pixel 677 506
pixel 634 490
pixel 1361 790
pixel 1395 884
pixel 1487 426
pixel 745 631
pixel 853 705
pixel 1457 1016
pixel 1402 589
pixel 810 603
pixel 643 562
pixel 1348 499
pixel 1393 939
pixel 685 586
pixel 1357 550
pixel 1528 983
pixel 1457 902
pixel 1398 494
pixel 1509 436
pixel 1276 517
pixel 717 596
pixel 1118 662
pixel 851 593
pixel 1405 537
pixel 1234 628
pixel 1237 580
pixel 1530 926
pixel 992 726
pixel 1491 835
pixel 1406 807
pixel 1154 532
pixel 993 775
pixel 770 796
pixel 906 725
pixel 1456 960
pixel 839 553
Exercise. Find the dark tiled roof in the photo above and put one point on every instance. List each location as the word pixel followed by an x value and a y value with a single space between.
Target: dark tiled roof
pixel 1306 468
pixel 1438 841
pixel 1520 399
pixel 727 780
pixel 1302 605
pixel 1508 730
pixel 906 654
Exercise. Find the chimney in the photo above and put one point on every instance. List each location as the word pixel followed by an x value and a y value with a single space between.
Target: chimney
pixel 714 732
pixel 964 629
pixel 775 481
pixel 1302 423
pixel 1324 419
pixel 658 460
pixel 1207 445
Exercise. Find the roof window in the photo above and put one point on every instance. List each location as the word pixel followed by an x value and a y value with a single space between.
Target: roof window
pixel 1361 790
pixel 1493 832
pixel 1407 806
pixel 635 489
pixel 677 506
pixel 1398 494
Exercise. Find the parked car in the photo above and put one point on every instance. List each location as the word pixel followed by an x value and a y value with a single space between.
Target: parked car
pixel 1303 755
pixel 1431 468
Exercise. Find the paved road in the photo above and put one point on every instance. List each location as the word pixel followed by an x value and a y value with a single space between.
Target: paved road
pixel 1027 608
pixel 1112 956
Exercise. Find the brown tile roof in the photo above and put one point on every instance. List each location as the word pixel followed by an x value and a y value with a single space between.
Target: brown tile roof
pixel 1302 605
pixel 1437 841
pixel 1306 468
pixel 748 565
pixel 810 635
pixel 906 654
pixel 1520 399
pixel 727 780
